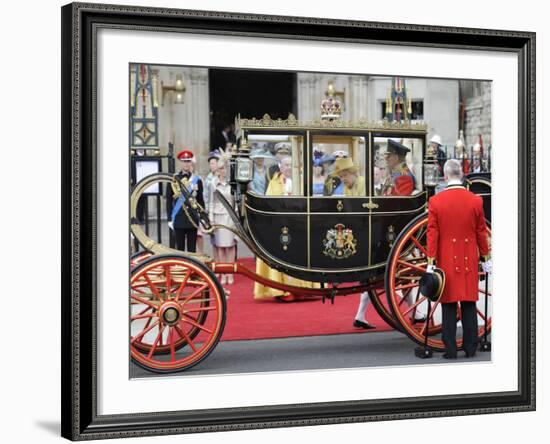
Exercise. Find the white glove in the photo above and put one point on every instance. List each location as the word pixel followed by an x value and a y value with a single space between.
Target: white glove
pixel 430 268
pixel 171 225
pixel 487 266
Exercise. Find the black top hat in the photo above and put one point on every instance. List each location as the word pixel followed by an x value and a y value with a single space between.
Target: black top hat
pixel 396 148
pixel 431 285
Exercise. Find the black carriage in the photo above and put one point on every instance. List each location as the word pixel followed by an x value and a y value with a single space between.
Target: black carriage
pixel 373 240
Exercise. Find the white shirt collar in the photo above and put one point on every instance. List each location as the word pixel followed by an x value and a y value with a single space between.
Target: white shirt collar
pixel 454 182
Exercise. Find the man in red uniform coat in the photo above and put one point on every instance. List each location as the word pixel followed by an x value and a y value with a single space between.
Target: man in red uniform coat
pixel 400 180
pixel 457 236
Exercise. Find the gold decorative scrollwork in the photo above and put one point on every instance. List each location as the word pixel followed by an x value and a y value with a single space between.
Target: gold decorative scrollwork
pixel 291 122
pixel 370 205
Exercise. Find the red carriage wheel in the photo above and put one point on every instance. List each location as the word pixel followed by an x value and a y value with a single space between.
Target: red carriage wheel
pixel 407 262
pixel 177 313
pixel 164 278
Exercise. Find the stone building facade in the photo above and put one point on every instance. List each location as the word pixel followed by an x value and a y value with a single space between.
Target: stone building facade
pixel 187 125
pixel 476 97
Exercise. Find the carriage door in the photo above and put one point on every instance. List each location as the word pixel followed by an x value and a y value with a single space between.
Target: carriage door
pixel 338 187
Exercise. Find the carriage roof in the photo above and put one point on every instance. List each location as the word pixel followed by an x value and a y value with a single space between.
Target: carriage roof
pixel 292 123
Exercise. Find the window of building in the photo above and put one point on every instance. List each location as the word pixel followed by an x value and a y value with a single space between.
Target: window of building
pixel 417 109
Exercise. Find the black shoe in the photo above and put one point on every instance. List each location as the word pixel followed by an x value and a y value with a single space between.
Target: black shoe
pixel 419 320
pixel 361 324
pixel 448 356
pixel 470 355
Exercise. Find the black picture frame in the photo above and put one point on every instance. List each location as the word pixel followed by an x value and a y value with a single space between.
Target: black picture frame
pixel 79 208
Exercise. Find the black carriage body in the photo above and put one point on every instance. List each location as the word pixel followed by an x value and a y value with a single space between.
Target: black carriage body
pixel 294 239
pixel 480 184
pixel 298 234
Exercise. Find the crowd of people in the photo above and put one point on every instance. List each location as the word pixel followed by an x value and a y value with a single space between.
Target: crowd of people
pixel 183 218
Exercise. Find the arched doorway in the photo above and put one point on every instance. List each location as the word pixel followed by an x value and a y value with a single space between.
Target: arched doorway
pixel 250 93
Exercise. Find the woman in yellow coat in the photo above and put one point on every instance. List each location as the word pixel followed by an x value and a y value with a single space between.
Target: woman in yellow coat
pixel 279 185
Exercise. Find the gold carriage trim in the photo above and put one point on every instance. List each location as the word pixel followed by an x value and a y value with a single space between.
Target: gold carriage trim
pixel 292 123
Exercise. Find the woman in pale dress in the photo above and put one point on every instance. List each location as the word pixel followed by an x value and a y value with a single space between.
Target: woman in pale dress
pixel 224 240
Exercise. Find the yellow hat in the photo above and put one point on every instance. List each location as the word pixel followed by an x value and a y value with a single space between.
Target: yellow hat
pixel 343 164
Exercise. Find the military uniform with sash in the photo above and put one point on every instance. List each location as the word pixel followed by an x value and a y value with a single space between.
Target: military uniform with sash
pixel 401 180
pixel 185 230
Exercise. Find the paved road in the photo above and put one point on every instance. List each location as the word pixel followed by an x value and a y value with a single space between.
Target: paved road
pixel 314 352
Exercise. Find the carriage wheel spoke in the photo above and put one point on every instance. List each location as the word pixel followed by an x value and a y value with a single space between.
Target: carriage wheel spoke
pixel 144 332
pixel 406 286
pixel 187 338
pixel 189 310
pixel 190 320
pixel 404 295
pixel 411 265
pixel 488 293
pixel 480 314
pixel 138 289
pixel 148 322
pixel 153 287
pixel 419 245
pixel 429 318
pixel 145 302
pixel 193 294
pixel 145 310
pixel 183 284
pixel 413 306
pixel 155 343
pixel 142 316
pixel 168 282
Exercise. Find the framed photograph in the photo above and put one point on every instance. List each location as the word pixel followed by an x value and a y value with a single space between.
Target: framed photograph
pixel 284 275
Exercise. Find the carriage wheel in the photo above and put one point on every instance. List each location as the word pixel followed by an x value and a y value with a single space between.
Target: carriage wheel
pixel 177 313
pixel 160 276
pixel 406 264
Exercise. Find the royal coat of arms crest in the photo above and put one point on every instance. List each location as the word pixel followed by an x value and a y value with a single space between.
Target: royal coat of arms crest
pixel 339 242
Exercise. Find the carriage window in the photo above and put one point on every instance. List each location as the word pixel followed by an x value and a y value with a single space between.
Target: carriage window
pixel 278 168
pixel 338 166
pixel 397 167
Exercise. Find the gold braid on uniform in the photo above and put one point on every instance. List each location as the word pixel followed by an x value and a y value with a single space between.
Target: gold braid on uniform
pixel 201 209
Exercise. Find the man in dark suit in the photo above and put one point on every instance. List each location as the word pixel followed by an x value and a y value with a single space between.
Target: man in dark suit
pixel 224 137
pixel 457 236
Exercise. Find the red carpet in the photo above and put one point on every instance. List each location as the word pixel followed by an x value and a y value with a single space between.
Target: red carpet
pixel 261 319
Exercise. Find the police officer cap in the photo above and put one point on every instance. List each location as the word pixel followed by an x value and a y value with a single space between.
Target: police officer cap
pixel 185 155
pixel 431 285
pixel 282 148
pixel 396 148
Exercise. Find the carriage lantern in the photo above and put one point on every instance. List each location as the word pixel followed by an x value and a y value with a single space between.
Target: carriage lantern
pixel 243 164
pixel 431 167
